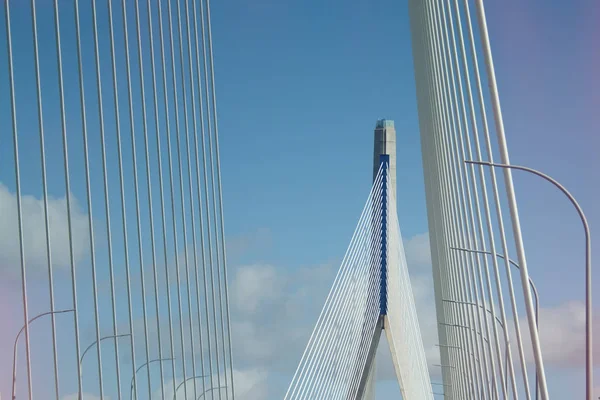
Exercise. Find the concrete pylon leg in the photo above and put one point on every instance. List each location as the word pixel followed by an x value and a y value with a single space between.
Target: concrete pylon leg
pixel 369 393
pixel 367 376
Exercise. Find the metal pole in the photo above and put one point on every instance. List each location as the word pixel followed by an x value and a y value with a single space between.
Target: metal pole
pixel 476 305
pixel 459 120
pixel 96 341
pixel 511 197
pixel 117 116
pixel 211 389
pixel 184 381
pixel 535 292
pixel 67 180
pixel 15 135
pixel 588 267
pixel 419 29
pixel 447 198
pixel 533 287
pixel 15 345
pixel 469 328
pixel 140 367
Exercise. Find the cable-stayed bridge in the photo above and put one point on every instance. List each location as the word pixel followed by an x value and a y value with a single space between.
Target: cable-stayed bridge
pixel 110 189
pixel 372 292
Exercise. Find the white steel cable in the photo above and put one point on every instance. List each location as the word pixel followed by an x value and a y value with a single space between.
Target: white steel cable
pixel 104 60
pixel 515 315
pixel 500 219
pixel 363 352
pixel 214 164
pixel 193 211
pixel 332 310
pixel 465 341
pixel 444 124
pixel 172 185
pixel 88 194
pixel 448 118
pixel 45 193
pixel 223 297
pixel 351 315
pixel 183 82
pixel 474 129
pixel 419 28
pixel 371 293
pixel 512 202
pixel 339 342
pixel 121 190
pixel 348 344
pixel 401 306
pixel 106 196
pixel 15 135
pixel 148 186
pixel 329 298
pixel 483 186
pixel 459 156
pixel 206 135
pixel 457 201
pixel 63 124
pixel 162 207
pixel 372 305
pixel 169 165
pixel 327 308
pixel 199 195
pixel 343 333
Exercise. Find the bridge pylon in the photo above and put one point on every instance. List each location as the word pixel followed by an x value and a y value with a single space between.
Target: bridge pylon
pixel 371 294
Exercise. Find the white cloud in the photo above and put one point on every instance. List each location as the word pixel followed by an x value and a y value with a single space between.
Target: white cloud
pixel 34 232
pixel 274 311
pixel 251 242
pixel 256 284
pixel 249 384
pixel 562 335
pixel 418 253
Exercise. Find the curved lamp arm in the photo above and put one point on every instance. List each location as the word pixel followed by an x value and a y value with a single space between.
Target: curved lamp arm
pixel 209 390
pixel 142 366
pixel 15 345
pixel 589 376
pixel 96 342
pixel 184 381
pixel 514 264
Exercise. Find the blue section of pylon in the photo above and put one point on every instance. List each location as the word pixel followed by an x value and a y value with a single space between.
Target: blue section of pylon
pixel 384 161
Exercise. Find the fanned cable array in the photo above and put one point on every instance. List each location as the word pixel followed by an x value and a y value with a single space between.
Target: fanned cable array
pixel 401 323
pixel 371 292
pixel 337 349
pixel 110 187
pixel 473 218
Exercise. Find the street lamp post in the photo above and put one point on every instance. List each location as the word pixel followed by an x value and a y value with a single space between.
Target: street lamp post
pixel 473 304
pixel 589 377
pixel 514 264
pixel 140 367
pixel 487 310
pixel 184 381
pixel 15 345
pixel 535 294
pixel 96 342
pixel 464 327
pixel 210 390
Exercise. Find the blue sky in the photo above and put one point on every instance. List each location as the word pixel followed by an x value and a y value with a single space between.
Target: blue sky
pixel 307 96
pixel 300 85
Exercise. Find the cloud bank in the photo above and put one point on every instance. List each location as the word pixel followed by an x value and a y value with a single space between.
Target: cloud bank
pixel 34 234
